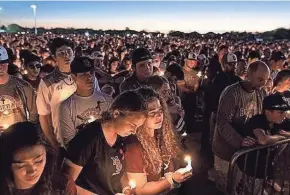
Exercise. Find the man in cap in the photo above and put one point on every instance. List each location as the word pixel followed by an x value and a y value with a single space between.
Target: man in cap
pixel 32 65
pixel 276 63
pixel 226 78
pixel 85 105
pixel 191 77
pixel 264 129
pixel 143 69
pixel 17 97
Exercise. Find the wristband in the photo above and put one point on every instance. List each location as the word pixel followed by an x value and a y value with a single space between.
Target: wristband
pixel 126 188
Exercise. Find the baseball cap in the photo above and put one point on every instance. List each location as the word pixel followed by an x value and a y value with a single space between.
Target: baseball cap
pixel 191 56
pixel 277 55
pixel 276 102
pixel 81 65
pixel 140 54
pixel 229 58
pixel 3 55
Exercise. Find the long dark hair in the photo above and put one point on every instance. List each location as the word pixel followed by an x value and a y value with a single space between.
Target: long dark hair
pixel 127 102
pixel 21 135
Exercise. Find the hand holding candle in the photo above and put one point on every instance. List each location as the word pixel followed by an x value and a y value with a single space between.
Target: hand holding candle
pixel 188 167
pixel 3 127
pixel 132 185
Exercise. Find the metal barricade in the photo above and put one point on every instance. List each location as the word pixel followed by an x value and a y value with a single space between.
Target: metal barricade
pixel 254 171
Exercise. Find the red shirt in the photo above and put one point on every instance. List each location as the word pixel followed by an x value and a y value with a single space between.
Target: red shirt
pixel 134 161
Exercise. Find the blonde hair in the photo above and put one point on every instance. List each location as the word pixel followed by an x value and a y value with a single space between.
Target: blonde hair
pixel 164 146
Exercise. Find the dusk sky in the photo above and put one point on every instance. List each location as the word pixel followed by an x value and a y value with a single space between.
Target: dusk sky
pixel 162 16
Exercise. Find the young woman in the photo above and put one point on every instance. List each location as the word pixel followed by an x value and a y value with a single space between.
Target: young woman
pixel 161 85
pixel 95 155
pixel 27 164
pixel 149 155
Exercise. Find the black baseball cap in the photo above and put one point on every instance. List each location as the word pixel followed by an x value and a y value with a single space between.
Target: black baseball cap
pixel 277 55
pixel 276 102
pixel 140 54
pixel 81 65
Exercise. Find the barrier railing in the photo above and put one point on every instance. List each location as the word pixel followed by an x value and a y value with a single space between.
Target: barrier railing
pixel 256 171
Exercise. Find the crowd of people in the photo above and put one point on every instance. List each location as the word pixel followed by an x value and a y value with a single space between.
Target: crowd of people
pixel 103 114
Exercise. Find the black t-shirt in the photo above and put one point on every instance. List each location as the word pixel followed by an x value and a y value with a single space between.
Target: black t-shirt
pixel 257 122
pixel 102 164
pixel 60 185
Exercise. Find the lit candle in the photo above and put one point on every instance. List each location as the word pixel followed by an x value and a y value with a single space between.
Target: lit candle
pixel 161 73
pixel 132 184
pixel 199 74
pixel 184 134
pixel 188 166
pixel 3 127
pixel 92 119
pixel 188 160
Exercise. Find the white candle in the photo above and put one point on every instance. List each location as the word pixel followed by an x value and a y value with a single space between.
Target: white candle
pixel 188 160
pixel 132 184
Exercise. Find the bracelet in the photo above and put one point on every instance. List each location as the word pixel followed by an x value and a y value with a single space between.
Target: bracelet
pixel 169 177
pixel 126 188
pixel 176 184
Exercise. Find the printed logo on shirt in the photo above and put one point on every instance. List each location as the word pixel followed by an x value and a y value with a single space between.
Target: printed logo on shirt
pixel 95 112
pixel 118 164
pixel 9 105
pixel 250 110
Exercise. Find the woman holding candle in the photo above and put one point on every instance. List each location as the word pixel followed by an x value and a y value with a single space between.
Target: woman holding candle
pixel 149 154
pixel 95 155
pixel 27 164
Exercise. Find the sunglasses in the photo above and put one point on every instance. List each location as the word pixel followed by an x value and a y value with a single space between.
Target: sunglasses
pixel 36 66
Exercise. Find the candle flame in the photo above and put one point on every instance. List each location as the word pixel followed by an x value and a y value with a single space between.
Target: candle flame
pixel 187 158
pixel 5 126
pixel 92 119
pixel 132 184
pixel 6 112
pixel 199 74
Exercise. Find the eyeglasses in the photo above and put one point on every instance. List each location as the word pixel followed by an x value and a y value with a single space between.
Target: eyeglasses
pixel 34 66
